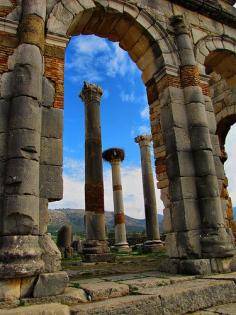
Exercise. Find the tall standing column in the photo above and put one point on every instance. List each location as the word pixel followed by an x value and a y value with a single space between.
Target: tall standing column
pixel 152 227
pixel 115 157
pixel 20 254
pixel 95 247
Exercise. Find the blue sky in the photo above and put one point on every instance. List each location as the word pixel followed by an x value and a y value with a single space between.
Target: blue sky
pixel 124 115
pixel 124 105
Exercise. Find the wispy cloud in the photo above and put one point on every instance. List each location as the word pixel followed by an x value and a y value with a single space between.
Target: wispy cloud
pixel 127 97
pixel 144 113
pixel 95 59
pixel 131 182
pixel 144 129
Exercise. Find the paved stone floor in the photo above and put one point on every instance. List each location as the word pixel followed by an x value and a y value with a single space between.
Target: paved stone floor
pixel 150 293
pixel 130 286
pixel 226 309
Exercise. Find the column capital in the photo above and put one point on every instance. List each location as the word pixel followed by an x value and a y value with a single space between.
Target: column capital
pixel 113 155
pixel 90 92
pixel 144 140
pixel 178 24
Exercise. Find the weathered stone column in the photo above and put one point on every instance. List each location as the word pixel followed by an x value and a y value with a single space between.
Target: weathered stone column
pixel 24 251
pixel 152 228
pixel 95 247
pixel 215 239
pixel 115 156
pixel 20 254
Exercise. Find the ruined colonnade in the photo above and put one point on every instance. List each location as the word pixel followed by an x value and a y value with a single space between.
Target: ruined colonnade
pixel 176 45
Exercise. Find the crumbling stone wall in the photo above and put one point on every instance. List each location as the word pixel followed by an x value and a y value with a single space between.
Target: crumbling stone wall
pixel 173 43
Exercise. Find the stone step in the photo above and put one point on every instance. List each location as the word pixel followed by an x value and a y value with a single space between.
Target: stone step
pixel 175 299
pixel 43 309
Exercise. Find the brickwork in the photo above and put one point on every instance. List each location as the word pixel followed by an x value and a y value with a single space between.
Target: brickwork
pixel 167 81
pixel 54 70
pixel 8 43
pixel 189 76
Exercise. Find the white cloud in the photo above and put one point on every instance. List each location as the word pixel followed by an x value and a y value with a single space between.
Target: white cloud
pixel 131 182
pixel 144 113
pixel 144 129
pixel 230 165
pixel 127 97
pixel 90 46
pixel 95 59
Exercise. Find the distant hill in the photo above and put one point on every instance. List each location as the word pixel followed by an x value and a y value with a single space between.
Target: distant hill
pixel 234 209
pixel 75 217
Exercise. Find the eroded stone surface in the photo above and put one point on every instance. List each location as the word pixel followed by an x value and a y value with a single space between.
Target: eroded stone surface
pixel 43 309
pixel 50 284
pixel 71 296
pixel 104 290
pixel 136 284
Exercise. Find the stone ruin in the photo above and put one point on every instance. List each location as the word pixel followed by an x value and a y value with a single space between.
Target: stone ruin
pixel 64 241
pixel 179 46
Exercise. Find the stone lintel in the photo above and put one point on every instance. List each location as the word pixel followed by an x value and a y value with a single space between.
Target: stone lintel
pixel 56 40
pixel 167 70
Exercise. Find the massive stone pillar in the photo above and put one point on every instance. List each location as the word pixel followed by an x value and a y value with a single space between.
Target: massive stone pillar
pixel 215 240
pixel 152 228
pixel 95 247
pixel 115 157
pixel 23 254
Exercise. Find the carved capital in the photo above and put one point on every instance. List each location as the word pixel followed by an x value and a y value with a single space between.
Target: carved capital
pixel 113 155
pixel 91 92
pixel 143 140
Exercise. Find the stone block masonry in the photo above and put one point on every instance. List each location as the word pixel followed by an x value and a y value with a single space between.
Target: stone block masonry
pixel 177 45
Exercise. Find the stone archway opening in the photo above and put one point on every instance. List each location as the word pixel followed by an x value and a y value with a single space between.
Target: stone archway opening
pixel 222 62
pixel 220 66
pixel 143 39
pixel 80 49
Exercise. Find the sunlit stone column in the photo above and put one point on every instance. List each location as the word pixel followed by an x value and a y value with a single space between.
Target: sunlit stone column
pixel 115 156
pixel 95 247
pixel 152 227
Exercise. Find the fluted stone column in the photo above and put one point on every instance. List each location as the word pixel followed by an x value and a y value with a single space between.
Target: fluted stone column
pixel 152 227
pixel 115 156
pixel 95 247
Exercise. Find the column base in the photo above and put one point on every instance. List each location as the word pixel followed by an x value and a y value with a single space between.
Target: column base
pixel 20 256
pixel 122 248
pixel 217 243
pixel 96 251
pixel 153 246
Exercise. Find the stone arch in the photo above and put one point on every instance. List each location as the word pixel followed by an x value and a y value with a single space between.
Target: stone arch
pixel 216 57
pixel 212 47
pixel 143 37
pixel 68 18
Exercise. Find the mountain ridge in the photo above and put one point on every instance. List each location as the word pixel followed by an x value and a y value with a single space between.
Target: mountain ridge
pixel 75 217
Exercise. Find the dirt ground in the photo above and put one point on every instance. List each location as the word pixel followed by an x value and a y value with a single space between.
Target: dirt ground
pixel 124 264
